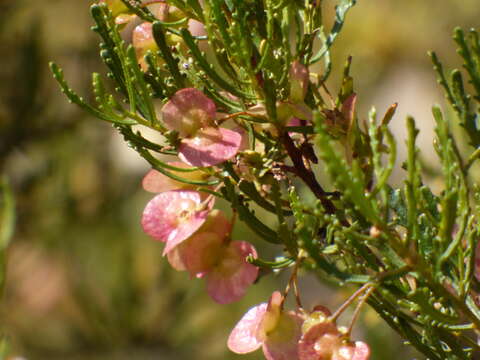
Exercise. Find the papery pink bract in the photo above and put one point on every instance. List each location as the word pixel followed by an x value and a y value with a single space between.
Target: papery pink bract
pixel 282 342
pixel 229 279
pixel 245 142
pixel 187 111
pixel 266 324
pixel 143 41
pixel 244 337
pixel 352 351
pixel 196 28
pixel 362 351
pixel 210 146
pixel 173 216
pixel 217 223
pixel 319 341
pixel 280 330
pixel 154 181
pixel 323 341
pixel 174 258
pixel 201 252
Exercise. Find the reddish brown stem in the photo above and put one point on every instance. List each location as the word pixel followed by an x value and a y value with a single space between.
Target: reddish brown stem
pixel 307 175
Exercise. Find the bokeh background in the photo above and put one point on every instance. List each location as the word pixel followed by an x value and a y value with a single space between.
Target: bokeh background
pixel 83 281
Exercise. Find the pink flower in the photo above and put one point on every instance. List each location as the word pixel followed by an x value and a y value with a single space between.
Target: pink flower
pixel 199 253
pixel 143 41
pixel 215 223
pixel 155 182
pixel 173 216
pixel 210 254
pixel 322 340
pixel 229 278
pixel 203 144
pixel 269 327
pixel 210 146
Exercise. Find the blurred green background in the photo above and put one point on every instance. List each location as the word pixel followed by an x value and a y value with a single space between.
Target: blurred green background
pixel 83 281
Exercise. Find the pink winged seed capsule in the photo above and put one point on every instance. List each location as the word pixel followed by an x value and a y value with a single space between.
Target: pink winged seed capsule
pixel 192 115
pixel 243 339
pixel 229 279
pixel 215 223
pixel 200 252
pixel 143 41
pixel 323 341
pixel 266 325
pixel 173 216
pixel 210 146
pixel 187 111
pixel 208 253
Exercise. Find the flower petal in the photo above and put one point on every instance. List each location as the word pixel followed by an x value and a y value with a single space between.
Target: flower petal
pixel 143 41
pixel 174 258
pixel 187 111
pixel 282 342
pixel 197 253
pixel 362 351
pixel 229 280
pixel 210 146
pixel 172 216
pixel 201 252
pixel 243 339
pixel 217 223
pixel 319 342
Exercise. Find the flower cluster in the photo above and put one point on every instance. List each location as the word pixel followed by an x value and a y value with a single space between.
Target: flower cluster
pixel 293 334
pixel 142 35
pixel 198 239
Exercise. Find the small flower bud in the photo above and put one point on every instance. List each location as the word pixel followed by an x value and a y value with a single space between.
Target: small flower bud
pixel 375 232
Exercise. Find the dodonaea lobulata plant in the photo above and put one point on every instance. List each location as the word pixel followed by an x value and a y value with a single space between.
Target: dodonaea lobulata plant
pixel 231 87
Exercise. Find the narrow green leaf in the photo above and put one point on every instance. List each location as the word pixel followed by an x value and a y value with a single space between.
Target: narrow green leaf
pixel 206 66
pixel 159 36
pixel 341 11
pixel 348 180
pixel 74 98
pixel 7 225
